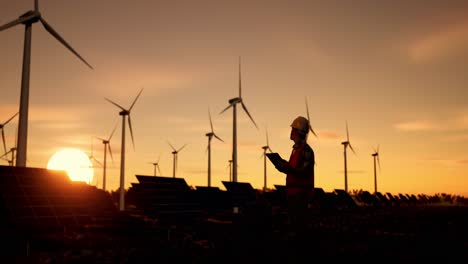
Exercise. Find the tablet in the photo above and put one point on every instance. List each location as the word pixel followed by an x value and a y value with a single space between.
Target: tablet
pixel 274 157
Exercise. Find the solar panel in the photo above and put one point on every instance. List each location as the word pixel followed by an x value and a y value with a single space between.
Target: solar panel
pixel 344 199
pixel 165 198
pixel 37 199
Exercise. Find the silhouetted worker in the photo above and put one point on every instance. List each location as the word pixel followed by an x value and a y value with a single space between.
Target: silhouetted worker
pixel 299 172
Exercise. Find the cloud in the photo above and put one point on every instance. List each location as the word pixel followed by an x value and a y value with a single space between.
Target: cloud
pixel 454 121
pixel 452 39
pixel 327 135
pixel 462 120
pixel 415 126
pixel 354 171
pixel 448 162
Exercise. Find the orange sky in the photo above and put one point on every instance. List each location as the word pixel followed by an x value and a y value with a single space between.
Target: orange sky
pixel 394 70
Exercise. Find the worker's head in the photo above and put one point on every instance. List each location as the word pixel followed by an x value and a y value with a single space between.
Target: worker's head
pixel 300 126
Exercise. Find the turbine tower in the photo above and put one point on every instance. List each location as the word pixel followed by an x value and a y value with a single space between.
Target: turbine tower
pixel 376 160
pixel 233 103
pixel 265 148
pixel 124 113
pixel 107 146
pixel 174 161
pixel 210 135
pixel 2 127
pixel 346 144
pixel 230 169
pixel 28 19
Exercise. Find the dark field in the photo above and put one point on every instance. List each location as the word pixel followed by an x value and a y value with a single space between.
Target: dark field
pixel 45 218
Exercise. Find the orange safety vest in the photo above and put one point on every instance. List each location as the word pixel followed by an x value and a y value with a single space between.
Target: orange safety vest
pixel 299 183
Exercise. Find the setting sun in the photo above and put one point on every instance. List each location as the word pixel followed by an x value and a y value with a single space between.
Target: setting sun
pixel 75 162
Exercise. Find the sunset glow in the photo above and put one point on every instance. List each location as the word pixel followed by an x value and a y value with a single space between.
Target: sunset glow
pixel 75 162
pixel 394 71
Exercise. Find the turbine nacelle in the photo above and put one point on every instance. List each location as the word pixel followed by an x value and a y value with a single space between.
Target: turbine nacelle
pixel 235 100
pixel 124 112
pixel 30 17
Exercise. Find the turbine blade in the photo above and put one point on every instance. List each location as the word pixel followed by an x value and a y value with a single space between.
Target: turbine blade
pixel 313 132
pixel 245 109
pixel 308 119
pixel 110 151
pixel 36 5
pixel 171 146
pixel 3 138
pixel 61 40
pixel 100 138
pixel 14 22
pixel 134 101
pixel 351 147
pixel 211 123
pixel 347 132
pixel 97 161
pixel 240 82
pixel 10 119
pixel 6 153
pixel 307 109
pixel 112 133
pixel 226 108
pixel 270 149
pixel 182 147
pixel 216 136
pixel 131 131
pixel 115 104
pixel 267 137
pixel 159 169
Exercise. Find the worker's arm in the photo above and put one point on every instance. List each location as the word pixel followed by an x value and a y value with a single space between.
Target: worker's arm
pixel 305 169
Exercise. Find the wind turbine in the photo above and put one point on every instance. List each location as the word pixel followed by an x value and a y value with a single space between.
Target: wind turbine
pixel 94 161
pixel 233 103
pixel 28 19
pixel 376 160
pixel 92 157
pixel 156 167
pixel 124 113
pixel 2 127
pixel 10 161
pixel 346 144
pixel 107 146
pixel 174 153
pixel 210 135
pixel 308 119
pixel 12 151
pixel 265 148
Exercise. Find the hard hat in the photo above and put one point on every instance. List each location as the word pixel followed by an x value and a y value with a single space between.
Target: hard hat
pixel 302 124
